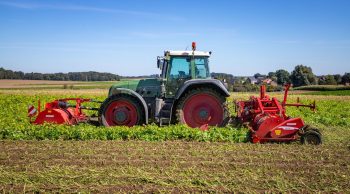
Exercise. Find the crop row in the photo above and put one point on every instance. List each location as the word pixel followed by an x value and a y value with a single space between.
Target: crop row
pixel 14 124
pixel 332 117
pixel 147 133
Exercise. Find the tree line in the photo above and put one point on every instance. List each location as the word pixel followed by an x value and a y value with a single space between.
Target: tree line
pixel 71 76
pixel 301 76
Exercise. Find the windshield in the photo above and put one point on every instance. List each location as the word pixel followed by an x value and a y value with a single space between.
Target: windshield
pixel 202 69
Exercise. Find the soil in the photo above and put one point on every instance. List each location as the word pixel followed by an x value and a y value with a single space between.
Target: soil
pixel 172 166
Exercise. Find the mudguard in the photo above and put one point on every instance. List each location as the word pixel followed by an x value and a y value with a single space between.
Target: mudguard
pixel 217 84
pixel 113 91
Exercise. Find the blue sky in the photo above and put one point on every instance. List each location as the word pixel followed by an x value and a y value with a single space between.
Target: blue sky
pixel 124 37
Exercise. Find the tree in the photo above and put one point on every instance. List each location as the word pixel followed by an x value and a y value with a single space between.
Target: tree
pixel 337 78
pixel 282 76
pixel 346 78
pixel 302 75
pixel 272 76
pixel 258 75
pixel 71 76
pixel 2 73
pixel 327 80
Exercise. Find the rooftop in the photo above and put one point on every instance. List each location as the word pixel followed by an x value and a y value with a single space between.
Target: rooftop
pixel 188 53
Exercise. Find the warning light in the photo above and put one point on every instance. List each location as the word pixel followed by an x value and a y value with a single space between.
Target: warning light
pixel 193 46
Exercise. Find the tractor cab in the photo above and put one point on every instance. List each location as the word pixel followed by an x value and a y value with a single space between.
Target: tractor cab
pixel 179 66
pixel 184 93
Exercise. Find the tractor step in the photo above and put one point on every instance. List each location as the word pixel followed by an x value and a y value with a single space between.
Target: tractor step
pixel 165 113
pixel 164 121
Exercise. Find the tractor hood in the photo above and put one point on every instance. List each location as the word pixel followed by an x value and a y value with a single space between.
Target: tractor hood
pixel 150 86
pixel 128 84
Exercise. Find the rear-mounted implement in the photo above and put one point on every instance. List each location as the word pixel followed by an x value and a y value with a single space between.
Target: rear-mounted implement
pixel 62 112
pixel 267 120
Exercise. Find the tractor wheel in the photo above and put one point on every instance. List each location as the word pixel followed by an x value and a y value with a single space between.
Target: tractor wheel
pixel 202 107
pixel 311 137
pixel 121 110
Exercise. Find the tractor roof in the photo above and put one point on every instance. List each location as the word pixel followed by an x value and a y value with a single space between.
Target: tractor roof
pixel 188 53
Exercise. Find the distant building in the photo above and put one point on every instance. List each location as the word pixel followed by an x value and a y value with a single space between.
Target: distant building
pixel 252 80
pixel 266 81
pixel 261 80
pixel 269 81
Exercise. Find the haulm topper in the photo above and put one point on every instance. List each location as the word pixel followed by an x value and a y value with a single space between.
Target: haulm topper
pixel 267 120
pixel 61 112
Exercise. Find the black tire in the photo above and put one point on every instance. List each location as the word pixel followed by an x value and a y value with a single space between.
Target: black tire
pixel 249 137
pixel 105 120
pixel 207 91
pixel 311 137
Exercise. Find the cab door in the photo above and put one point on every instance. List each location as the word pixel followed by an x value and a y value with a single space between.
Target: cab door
pixel 179 71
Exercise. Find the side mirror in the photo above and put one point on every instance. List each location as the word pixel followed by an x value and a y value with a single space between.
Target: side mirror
pixel 160 62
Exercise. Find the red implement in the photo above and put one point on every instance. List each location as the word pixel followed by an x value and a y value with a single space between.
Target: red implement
pixel 61 112
pixel 267 120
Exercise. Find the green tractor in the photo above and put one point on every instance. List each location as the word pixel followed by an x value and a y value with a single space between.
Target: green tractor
pixel 184 93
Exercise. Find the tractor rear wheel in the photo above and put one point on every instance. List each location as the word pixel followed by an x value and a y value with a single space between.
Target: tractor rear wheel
pixel 202 107
pixel 121 110
pixel 311 137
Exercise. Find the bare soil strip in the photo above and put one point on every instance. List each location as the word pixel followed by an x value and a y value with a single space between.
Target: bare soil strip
pixel 175 166
pixel 27 83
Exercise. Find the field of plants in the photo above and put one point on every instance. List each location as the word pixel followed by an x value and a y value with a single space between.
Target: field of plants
pixel 323 87
pixel 14 123
pixel 86 158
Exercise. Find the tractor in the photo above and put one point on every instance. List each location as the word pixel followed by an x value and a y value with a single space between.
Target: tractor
pixel 184 93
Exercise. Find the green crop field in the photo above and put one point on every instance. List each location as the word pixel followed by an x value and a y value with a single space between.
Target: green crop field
pixel 86 158
pixel 323 87
pixel 331 93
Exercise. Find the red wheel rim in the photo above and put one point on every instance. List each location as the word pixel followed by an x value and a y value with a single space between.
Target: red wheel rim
pixel 203 109
pixel 121 112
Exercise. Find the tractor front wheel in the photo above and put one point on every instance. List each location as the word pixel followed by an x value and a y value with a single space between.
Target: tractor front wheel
pixel 121 110
pixel 202 107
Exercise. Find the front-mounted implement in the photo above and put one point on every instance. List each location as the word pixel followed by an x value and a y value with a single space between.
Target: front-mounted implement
pixel 267 120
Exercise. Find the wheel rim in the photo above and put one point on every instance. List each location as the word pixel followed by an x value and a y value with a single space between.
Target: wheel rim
pixel 121 112
pixel 201 110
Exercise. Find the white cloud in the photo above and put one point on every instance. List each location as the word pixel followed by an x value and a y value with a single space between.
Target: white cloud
pixel 70 7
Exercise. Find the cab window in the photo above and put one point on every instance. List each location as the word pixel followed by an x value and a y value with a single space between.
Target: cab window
pixel 180 68
pixel 202 70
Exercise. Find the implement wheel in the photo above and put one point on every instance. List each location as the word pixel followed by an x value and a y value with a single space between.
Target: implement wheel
pixel 202 107
pixel 311 137
pixel 121 110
